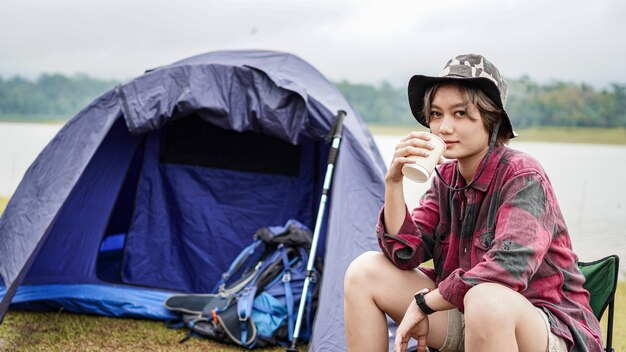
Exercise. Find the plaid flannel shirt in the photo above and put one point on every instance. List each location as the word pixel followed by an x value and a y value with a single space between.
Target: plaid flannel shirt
pixel 506 228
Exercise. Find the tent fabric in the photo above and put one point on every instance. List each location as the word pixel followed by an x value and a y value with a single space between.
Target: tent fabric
pixel 182 248
pixel 108 174
pixel 94 299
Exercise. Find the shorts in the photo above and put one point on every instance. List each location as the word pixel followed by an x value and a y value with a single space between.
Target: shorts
pixel 455 337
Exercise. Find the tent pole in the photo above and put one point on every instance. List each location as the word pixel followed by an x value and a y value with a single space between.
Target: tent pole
pixel 335 132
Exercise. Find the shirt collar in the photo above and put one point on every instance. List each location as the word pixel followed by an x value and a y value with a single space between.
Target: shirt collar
pixel 483 181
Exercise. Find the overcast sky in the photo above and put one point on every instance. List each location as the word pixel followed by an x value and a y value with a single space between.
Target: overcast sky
pixel 359 40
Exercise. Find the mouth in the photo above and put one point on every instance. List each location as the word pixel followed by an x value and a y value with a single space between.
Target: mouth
pixel 450 143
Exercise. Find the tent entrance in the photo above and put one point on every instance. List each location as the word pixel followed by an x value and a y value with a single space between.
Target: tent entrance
pixel 193 196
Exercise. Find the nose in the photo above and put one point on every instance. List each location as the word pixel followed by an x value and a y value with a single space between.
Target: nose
pixel 447 125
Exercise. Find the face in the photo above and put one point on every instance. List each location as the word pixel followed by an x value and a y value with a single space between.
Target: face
pixel 461 127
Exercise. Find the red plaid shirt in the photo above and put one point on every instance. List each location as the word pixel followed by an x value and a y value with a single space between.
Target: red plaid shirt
pixel 506 228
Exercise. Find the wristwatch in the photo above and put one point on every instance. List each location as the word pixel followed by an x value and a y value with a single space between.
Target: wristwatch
pixel 421 302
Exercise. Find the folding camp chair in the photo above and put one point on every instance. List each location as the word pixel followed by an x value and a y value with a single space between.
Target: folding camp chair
pixel 601 282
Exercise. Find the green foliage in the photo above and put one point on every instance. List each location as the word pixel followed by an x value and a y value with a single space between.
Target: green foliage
pixel 384 104
pixel 565 104
pixel 529 104
pixel 51 96
pixel 561 104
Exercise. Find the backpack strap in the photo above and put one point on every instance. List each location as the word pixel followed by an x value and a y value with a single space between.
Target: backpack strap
pixel 244 310
pixel 245 298
pixel 243 332
pixel 236 265
pixel 286 279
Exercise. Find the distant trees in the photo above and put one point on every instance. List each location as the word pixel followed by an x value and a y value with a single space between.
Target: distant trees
pixel 51 95
pixel 382 104
pixel 529 103
pixel 566 104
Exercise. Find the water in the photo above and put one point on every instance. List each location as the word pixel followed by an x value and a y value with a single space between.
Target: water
pixel 20 144
pixel 586 178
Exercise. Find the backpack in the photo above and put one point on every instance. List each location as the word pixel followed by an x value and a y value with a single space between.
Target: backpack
pixel 255 302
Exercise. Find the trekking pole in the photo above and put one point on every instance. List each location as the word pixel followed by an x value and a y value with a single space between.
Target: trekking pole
pixel 335 132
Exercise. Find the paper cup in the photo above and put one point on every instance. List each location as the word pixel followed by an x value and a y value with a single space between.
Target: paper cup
pixel 423 167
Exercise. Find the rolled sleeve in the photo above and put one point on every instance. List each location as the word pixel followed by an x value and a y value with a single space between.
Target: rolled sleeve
pixel 414 242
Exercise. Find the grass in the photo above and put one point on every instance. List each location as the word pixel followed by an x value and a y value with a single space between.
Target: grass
pixel 3 203
pixel 63 331
pixel 615 136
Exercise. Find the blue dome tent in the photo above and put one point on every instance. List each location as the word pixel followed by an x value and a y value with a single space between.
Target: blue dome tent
pixel 156 185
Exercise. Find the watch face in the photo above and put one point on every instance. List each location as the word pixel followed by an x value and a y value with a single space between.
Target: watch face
pixel 419 297
pixel 421 303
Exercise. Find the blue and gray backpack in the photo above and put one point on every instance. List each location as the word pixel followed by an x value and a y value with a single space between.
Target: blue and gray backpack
pixel 255 302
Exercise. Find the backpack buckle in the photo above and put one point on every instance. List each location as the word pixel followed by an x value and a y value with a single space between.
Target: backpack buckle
pixel 286 276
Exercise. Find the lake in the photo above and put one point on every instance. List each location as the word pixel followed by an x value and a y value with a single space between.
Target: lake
pixel 586 178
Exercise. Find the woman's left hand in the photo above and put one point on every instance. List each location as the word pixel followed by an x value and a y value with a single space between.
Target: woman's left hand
pixel 414 323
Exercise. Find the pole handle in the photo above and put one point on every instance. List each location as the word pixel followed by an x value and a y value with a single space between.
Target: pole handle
pixel 335 132
pixel 337 127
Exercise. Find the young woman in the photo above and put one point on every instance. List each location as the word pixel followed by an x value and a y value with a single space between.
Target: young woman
pixel 505 276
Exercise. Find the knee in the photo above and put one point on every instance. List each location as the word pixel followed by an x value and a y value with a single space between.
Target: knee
pixel 365 270
pixel 486 304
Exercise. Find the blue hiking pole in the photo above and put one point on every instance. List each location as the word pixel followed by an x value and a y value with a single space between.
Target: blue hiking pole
pixel 335 132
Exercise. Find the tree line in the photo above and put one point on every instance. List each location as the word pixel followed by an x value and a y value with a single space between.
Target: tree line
pixel 52 96
pixel 529 103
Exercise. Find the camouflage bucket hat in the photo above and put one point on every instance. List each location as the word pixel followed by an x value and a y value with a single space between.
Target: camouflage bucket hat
pixel 471 68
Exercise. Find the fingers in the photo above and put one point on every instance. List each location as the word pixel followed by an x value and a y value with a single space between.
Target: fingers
pixel 417 140
pixel 421 344
pixel 401 342
pixel 413 144
pixel 420 135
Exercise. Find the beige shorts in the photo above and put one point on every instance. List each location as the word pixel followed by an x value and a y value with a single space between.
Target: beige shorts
pixel 455 337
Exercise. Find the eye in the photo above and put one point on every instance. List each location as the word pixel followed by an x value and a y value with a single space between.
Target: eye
pixel 435 114
pixel 459 113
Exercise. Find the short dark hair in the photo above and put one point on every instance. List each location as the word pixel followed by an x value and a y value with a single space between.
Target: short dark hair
pixel 489 111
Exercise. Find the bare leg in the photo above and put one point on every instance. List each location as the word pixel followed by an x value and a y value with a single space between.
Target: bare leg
pixel 500 319
pixel 373 286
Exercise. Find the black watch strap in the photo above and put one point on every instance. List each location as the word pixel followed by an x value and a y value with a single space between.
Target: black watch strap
pixel 421 302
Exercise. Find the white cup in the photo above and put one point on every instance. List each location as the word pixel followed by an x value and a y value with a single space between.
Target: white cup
pixel 423 167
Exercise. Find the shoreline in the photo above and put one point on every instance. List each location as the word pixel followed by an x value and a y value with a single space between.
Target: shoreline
pixel 552 134
pixel 571 135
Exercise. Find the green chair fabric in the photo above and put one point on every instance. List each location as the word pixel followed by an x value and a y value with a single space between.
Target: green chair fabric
pixel 601 282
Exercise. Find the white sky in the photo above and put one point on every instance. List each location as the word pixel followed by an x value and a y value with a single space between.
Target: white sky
pixel 359 40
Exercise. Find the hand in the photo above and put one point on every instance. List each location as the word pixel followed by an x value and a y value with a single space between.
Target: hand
pixel 415 143
pixel 414 323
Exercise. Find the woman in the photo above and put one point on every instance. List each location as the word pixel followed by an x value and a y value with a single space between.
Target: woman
pixel 505 276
